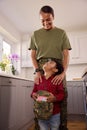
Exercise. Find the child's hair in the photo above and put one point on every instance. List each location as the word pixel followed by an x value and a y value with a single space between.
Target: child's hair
pixel 59 66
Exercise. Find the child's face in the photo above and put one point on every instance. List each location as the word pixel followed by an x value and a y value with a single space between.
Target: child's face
pixel 50 65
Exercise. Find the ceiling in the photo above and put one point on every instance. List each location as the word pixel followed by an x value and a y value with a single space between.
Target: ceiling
pixel 24 14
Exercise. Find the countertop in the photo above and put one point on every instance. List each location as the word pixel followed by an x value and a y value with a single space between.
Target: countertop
pixel 4 74
pixel 75 79
pixel 19 77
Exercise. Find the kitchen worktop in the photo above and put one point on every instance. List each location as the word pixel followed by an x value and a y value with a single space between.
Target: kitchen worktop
pixel 19 77
pixel 12 76
pixel 75 79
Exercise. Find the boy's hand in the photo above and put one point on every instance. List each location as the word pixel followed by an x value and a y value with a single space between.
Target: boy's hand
pixel 51 98
pixel 34 96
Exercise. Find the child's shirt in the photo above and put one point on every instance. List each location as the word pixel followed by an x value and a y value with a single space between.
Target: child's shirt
pixel 56 90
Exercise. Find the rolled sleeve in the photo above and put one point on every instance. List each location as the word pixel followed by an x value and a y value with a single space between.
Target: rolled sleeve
pixel 32 44
pixel 66 42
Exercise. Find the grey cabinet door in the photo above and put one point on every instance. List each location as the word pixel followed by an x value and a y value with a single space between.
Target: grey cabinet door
pixel 24 109
pixel 7 104
pixel 29 103
pixel 75 97
pixel 70 99
pixel 20 104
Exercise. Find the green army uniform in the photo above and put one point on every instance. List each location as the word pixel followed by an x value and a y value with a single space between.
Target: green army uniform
pixel 50 44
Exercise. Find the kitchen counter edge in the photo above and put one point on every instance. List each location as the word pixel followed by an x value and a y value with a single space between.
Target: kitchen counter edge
pixel 13 76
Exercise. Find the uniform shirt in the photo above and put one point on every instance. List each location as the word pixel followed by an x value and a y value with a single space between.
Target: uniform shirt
pixel 49 43
pixel 56 90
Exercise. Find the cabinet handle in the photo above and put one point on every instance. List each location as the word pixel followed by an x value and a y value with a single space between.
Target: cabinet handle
pixel 28 86
pixel 10 82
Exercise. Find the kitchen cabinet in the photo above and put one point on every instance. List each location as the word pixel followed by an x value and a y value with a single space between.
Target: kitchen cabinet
pixel 26 59
pixel 28 102
pixel 24 103
pixel 75 97
pixel 7 104
pixel 79 47
pixel 20 102
pixel 16 105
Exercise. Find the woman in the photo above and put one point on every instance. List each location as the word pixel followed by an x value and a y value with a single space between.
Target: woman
pixel 50 42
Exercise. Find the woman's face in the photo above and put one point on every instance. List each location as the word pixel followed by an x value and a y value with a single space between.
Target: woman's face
pixel 46 20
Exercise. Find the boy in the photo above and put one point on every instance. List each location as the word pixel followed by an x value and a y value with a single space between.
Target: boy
pixel 51 68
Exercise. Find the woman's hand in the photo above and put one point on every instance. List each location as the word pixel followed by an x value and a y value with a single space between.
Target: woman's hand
pixel 58 79
pixel 37 78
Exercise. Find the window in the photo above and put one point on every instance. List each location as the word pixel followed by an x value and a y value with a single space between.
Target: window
pixel 6 48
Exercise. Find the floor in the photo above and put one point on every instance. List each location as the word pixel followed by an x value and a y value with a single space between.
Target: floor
pixel 74 125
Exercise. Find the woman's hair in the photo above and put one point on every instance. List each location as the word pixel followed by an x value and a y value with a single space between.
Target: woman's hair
pixel 59 66
pixel 47 9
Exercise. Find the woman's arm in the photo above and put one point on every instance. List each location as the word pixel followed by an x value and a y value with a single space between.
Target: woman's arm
pixel 33 58
pixel 65 60
pixel 37 78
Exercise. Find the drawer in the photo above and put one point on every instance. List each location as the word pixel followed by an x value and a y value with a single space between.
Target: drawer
pixel 26 83
pixel 75 83
pixel 5 81
pixel 30 83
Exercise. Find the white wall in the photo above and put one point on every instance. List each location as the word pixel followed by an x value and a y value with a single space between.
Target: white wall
pixel 27 73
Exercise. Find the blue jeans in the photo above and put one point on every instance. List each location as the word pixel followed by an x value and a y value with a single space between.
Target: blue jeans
pixel 52 123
